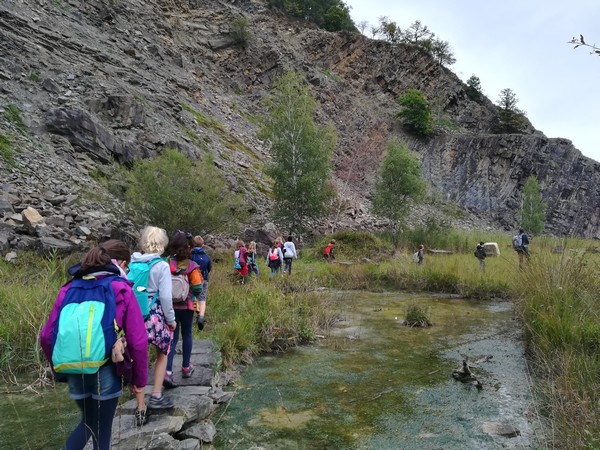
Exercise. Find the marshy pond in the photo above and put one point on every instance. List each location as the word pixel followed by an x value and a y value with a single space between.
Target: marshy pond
pixel 368 383
pixel 373 383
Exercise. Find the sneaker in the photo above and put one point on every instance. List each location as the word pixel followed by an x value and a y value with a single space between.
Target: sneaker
pixel 162 402
pixel 200 323
pixel 168 382
pixel 141 417
pixel 187 371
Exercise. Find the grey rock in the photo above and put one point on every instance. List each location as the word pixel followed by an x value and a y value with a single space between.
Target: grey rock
pixel 204 431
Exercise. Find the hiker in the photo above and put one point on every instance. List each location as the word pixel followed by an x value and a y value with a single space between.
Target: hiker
pixel 96 394
pixel 274 259
pixel 520 243
pixel 279 241
pixel 328 251
pixel 121 255
pixel 186 280
pixel 480 254
pixel 252 265
pixel 289 253
pixel 200 257
pixel 241 260
pixel 421 254
pixel 160 322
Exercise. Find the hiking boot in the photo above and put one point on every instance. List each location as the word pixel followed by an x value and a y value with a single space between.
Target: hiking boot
pixel 200 323
pixel 187 371
pixel 141 417
pixel 162 402
pixel 168 382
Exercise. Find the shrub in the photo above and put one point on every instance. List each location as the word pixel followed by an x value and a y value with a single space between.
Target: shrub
pixel 176 193
pixel 417 316
pixel 415 113
pixel 6 151
pixel 240 32
pixel 12 113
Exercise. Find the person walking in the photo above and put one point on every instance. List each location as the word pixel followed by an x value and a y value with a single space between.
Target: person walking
pixel 421 255
pixel 180 265
pixel 289 254
pixel 520 243
pixel 328 252
pixel 481 254
pixel 160 323
pixel 252 264
pixel 200 257
pixel 95 392
pixel 241 260
pixel 121 255
pixel 274 259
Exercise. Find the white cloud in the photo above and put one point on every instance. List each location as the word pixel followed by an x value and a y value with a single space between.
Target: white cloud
pixel 521 45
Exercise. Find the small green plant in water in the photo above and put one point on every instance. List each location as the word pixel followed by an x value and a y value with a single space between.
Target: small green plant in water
pixel 417 316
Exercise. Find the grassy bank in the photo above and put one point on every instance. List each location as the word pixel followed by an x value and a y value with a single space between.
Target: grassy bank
pixel 555 294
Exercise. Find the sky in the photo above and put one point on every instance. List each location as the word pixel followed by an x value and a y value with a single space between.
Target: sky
pixel 521 45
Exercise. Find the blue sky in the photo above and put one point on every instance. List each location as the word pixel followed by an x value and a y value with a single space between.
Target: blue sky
pixel 521 45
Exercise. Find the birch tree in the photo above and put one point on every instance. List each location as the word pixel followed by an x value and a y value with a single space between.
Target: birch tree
pixel 301 152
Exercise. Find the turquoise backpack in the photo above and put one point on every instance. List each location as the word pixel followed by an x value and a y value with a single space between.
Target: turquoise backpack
pixel 85 330
pixel 139 272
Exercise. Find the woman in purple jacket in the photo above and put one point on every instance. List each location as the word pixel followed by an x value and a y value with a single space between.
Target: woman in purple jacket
pixel 97 394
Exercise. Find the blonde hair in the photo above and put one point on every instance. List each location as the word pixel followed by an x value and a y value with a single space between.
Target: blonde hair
pixel 153 240
pixel 198 241
pixel 252 246
pixel 239 243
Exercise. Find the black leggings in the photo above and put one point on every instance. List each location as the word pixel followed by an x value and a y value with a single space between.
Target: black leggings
pixel 96 422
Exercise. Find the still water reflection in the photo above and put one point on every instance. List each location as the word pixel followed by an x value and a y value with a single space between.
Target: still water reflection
pixel 372 383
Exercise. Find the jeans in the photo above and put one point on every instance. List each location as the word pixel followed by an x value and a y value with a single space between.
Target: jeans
pixel 288 265
pixel 102 385
pixel 185 321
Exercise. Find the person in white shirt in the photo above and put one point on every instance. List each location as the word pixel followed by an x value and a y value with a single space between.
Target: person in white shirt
pixel 289 254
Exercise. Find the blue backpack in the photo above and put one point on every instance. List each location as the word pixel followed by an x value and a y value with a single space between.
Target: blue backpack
pixel 85 330
pixel 139 272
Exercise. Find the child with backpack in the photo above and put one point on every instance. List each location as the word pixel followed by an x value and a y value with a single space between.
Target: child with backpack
pixel 160 319
pixel 252 265
pixel 274 259
pixel 86 315
pixel 241 260
pixel 200 257
pixel 187 285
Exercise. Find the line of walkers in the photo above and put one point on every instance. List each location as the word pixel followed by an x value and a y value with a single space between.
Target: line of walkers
pixel 117 303
pixel 279 258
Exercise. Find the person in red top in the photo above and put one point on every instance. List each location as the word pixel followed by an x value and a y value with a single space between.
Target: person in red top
pixel 328 252
pixel 180 251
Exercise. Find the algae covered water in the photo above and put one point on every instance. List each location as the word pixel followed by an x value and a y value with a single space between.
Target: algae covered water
pixel 373 383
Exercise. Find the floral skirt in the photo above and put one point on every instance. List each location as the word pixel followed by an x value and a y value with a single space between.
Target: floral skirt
pixel 159 334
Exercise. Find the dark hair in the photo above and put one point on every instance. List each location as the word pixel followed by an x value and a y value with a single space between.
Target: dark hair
pixel 95 257
pixel 180 246
pixel 521 230
pixel 481 243
pixel 289 239
pixel 117 250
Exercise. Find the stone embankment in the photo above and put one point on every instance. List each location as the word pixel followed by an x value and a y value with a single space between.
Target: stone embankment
pixel 187 426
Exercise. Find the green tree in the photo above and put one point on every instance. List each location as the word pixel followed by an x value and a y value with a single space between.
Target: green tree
pixel 399 184
pixel 389 29
pixel 442 52
pixel 334 15
pixel 417 33
pixel 240 32
pixel 533 212
pixel 474 91
pixel 174 192
pixel 415 113
pixel 510 118
pixel 301 151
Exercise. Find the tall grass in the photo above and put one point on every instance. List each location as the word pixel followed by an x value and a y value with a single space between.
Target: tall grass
pixel 27 293
pixel 556 296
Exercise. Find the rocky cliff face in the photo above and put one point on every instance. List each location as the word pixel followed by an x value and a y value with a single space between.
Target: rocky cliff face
pixel 99 82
